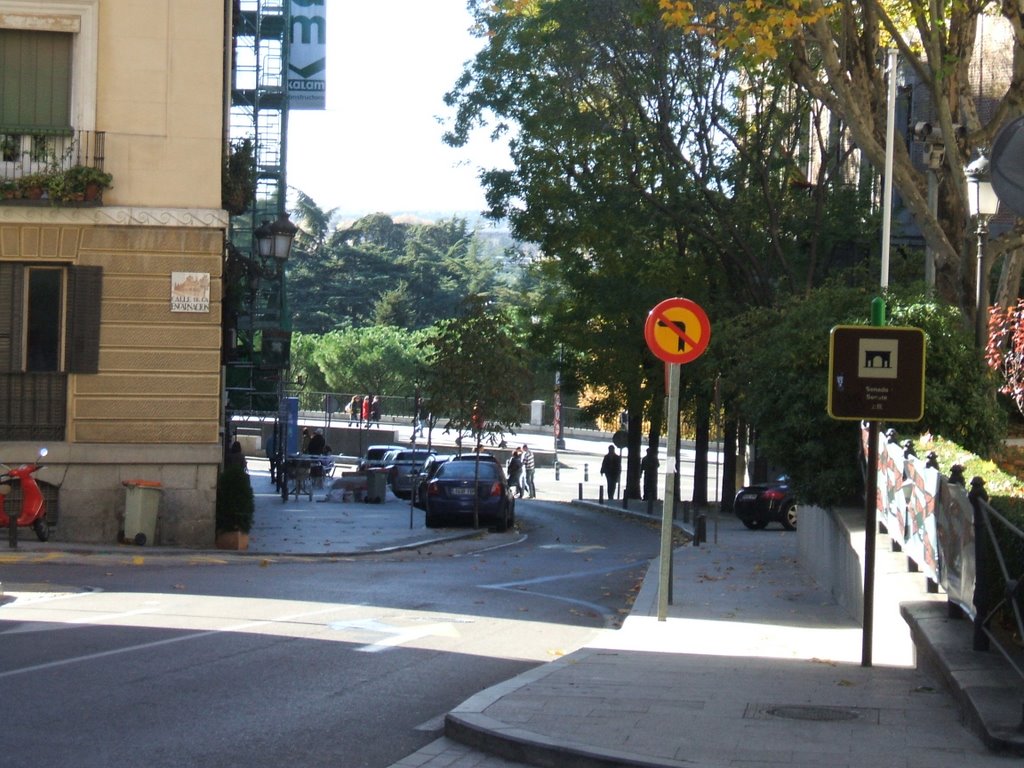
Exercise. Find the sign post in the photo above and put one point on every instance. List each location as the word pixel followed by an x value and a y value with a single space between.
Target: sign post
pixel 875 372
pixel 677 331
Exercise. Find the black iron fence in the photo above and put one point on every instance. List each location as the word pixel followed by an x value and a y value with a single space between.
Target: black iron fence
pixel 399 408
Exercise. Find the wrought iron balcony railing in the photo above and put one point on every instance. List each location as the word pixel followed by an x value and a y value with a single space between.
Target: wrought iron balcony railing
pixel 60 169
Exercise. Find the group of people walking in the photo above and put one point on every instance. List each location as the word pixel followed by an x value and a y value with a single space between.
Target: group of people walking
pixel 364 409
pixel 520 470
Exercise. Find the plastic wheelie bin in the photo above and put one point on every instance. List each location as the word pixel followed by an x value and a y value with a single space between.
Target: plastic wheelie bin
pixel 141 504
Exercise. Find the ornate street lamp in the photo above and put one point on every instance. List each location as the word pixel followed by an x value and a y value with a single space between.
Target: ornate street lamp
pixel 983 205
pixel 274 240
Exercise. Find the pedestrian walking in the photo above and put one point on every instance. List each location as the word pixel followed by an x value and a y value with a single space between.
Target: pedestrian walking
pixel 529 466
pixel 375 410
pixel 366 410
pixel 611 468
pixel 272 455
pixel 417 425
pixel 649 466
pixel 514 470
pixel 355 409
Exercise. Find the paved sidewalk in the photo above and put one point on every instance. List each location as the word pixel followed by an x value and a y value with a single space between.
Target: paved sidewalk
pixel 755 666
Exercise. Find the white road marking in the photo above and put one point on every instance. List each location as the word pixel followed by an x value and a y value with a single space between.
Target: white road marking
pixel 159 643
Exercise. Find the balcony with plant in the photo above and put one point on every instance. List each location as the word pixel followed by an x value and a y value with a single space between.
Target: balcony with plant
pixel 60 170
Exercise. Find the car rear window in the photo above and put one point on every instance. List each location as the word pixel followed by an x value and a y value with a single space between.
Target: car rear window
pixel 418 456
pixel 466 470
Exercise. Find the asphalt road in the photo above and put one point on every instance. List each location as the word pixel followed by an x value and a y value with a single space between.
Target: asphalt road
pixel 349 663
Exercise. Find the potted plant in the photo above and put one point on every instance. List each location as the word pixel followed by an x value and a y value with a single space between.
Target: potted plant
pixel 33 185
pixel 238 177
pixel 9 189
pixel 235 508
pixel 84 182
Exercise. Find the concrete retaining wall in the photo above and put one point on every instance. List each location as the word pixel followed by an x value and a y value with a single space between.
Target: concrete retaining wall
pixel 831 550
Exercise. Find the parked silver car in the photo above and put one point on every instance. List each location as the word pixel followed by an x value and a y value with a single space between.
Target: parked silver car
pixel 404 468
pixel 375 456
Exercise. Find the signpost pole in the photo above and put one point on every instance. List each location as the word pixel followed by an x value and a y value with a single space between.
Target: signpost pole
pixel 668 506
pixel 871 515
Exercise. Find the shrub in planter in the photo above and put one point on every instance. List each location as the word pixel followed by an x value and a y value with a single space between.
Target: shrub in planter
pixel 33 185
pixel 235 501
pixel 78 183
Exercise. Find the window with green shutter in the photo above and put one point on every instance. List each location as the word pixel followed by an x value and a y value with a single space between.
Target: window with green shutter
pixel 35 81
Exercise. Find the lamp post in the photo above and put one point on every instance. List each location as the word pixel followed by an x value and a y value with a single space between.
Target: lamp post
pixel 274 246
pixel 983 205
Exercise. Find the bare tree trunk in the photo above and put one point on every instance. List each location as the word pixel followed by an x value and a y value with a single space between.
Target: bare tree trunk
pixel 700 463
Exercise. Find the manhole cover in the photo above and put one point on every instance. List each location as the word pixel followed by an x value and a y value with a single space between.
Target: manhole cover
pixel 810 713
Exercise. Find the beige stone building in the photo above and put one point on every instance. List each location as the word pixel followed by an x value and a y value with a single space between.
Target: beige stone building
pixel 110 316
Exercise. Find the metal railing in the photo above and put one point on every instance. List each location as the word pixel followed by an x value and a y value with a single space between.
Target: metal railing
pixel 959 541
pixel 400 407
pixel 997 595
pixel 46 156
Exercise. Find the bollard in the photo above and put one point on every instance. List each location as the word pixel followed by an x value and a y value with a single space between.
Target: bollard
pixel 650 505
pixel 556 470
pixel 600 494
pixel 581 492
pixel 12 530
pixel 625 502
pixel 700 530
pixel 586 473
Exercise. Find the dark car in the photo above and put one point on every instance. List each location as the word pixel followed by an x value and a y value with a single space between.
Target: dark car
pixel 426 474
pixel 463 485
pixel 403 470
pixel 763 503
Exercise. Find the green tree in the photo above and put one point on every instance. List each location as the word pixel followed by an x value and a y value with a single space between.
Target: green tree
pixel 640 178
pixel 473 365
pixel 834 53
pixel 776 363
pixel 373 359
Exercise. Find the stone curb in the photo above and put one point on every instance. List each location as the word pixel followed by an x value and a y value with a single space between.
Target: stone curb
pixel 984 684
pixel 468 725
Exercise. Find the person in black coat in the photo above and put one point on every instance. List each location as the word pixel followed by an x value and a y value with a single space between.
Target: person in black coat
pixel 611 468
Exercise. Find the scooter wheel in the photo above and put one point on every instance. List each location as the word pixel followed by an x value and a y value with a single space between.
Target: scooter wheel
pixel 42 529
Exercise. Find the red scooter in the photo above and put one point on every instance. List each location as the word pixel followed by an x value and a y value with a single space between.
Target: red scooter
pixel 33 506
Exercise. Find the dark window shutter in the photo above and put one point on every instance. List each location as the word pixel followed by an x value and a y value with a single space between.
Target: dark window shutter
pixel 85 290
pixel 35 81
pixel 11 316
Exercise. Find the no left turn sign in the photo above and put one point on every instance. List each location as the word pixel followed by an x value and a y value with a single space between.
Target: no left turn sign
pixel 677 330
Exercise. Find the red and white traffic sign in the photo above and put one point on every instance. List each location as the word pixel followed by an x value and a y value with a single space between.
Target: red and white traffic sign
pixel 677 330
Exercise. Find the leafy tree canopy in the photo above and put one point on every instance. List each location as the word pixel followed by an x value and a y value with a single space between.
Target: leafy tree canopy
pixel 774 365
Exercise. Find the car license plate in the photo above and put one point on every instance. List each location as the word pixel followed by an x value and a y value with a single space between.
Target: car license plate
pixel 748 496
pixel 462 491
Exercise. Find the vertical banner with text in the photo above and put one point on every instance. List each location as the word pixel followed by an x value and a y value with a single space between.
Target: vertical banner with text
pixel 307 55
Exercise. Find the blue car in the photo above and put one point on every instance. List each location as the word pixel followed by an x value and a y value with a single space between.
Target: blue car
pixel 464 485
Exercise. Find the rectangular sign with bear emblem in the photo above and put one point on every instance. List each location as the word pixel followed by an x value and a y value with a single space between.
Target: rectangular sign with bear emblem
pixel 876 373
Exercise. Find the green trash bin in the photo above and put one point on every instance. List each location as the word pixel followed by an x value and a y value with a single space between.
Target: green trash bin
pixel 376 486
pixel 141 504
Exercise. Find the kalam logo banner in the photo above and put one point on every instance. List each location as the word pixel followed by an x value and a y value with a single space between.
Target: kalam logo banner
pixel 307 55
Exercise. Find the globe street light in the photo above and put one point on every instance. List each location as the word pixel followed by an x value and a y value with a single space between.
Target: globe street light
pixel 983 205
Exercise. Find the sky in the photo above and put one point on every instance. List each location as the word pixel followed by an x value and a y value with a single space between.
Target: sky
pixel 378 147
